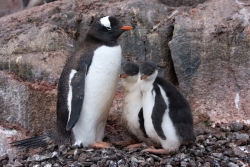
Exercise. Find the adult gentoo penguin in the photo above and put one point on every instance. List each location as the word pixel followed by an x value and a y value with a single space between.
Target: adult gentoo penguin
pixel 132 114
pixel 87 86
pixel 167 114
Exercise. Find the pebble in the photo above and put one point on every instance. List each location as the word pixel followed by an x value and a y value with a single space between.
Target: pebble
pixel 236 126
pixel 224 145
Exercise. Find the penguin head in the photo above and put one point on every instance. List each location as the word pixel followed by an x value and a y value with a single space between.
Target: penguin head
pixel 148 70
pixel 130 72
pixel 107 29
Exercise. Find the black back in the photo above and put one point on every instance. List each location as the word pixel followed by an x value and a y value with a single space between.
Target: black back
pixel 179 110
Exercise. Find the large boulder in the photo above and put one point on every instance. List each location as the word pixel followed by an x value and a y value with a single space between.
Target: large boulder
pixel 200 46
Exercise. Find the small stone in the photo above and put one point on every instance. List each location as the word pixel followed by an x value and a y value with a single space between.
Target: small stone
pixel 17 163
pixel 56 165
pixel 4 157
pixel 181 156
pixel 155 157
pixel 241 142
pixel 225 127
pixel 241 136
pixel 246 128
pixel 38 158
pixel 236 126
pixel 221 142
pixel 184 164
pixel 61 148
pixel 207 164
pixel 37 165
pixel 134 160
pixel 93 165
pixel 230 164
pixel 150 161
pixel 200 138
pixel 77 152
pixel 48 165
pixel 199 131
pixel 238 152
pixel 112 164
pixel 218 155
pixel 121 163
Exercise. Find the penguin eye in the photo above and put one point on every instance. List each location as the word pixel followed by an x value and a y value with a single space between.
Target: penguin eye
pixel 108 28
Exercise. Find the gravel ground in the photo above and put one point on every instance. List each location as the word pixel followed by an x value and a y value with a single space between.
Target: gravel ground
pixel 223 145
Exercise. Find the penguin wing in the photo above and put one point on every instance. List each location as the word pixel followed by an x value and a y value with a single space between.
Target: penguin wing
pixel 77 86
pixel 158 112
pixel 141 121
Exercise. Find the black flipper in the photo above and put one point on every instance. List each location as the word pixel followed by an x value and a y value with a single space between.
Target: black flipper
pixel 158 112
pixel 34 142
pixel 78 86
pixel 141 121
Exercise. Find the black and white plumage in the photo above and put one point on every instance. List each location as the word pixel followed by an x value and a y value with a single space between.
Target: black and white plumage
pixel 167 114
pixel 31 3
pixel 87 85
pixel 132 114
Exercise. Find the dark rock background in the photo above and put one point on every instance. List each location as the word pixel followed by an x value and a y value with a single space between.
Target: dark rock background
pixel 201 46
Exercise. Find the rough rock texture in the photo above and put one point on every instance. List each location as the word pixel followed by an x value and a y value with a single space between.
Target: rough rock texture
pixel 200 46
pixel 211 55
pixel 9 7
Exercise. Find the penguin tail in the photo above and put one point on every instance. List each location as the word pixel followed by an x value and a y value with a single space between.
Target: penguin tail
pixel 34 142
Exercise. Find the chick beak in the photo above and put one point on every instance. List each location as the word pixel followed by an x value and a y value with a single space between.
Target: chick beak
pixel 123 75
pixel 144 77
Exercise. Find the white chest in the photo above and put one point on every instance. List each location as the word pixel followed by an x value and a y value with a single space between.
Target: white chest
pixel 102 78
pixel 148 102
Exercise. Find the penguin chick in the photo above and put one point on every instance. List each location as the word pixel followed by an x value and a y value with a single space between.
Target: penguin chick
pixel 132 115
pixel 167 114
pixel 31 3
pixel 87 87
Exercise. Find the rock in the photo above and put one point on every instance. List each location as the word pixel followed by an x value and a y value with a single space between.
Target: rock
pixel 236 126
pixel 225 127
pixel 38 158
pixel 230 164
pixel 9 7
pixel 218 155
pixel 4 157
pixel 150 161
pixel 199 58
pixel 17 164
pixel 112 164
pixel 238 152
pixel 239 136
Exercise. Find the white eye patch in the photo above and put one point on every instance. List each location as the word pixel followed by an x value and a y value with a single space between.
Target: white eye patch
pixel 105 22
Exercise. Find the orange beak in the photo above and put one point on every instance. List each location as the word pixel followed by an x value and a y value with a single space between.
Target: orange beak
pixel 144 77
pixel 126 28
pixel 123 75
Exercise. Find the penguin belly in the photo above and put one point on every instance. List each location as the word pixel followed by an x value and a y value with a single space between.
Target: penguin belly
pixel 148 104
pixel 172 141
pixel 100 87
pixel 131 109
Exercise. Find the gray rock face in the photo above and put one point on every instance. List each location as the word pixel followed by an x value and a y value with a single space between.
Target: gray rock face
pixel 200 46
pixel 210 52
